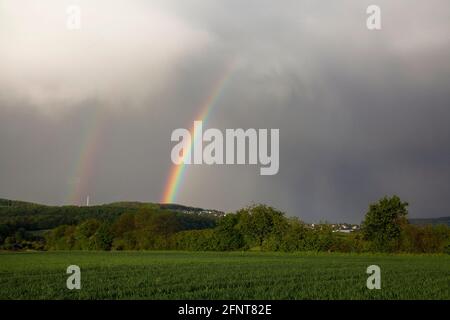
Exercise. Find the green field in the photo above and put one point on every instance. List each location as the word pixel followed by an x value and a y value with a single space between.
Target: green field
pixel 210 275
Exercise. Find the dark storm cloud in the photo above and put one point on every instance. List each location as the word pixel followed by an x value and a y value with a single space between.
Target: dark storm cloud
pixel 361 114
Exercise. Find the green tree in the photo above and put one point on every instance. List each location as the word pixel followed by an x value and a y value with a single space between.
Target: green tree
pixel 84 234
pixel 383 223
pixel 227 234
pixel 103 237
pixel 164 224
pixel 257 222
pixel 125 223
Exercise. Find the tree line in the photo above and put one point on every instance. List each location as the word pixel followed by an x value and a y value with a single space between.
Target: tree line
pixel 258 227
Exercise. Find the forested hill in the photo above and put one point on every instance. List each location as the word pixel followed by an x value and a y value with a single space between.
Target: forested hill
pixel 152 226
pixel 431 221
pixel 15 203
pixel 32 216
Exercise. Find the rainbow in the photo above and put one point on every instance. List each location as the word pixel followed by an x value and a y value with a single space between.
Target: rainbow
pixel 84 166
pixel 177 171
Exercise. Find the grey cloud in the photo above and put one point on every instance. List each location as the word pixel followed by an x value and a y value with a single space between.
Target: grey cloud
pixel 361 114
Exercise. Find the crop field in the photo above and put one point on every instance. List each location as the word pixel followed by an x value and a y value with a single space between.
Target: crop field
pixel 213 275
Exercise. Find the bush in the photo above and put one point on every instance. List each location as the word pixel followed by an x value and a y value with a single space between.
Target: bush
pixel 427 239
pixel 196 240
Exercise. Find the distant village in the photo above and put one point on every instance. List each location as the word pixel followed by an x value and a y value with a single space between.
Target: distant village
pixel 337 227
pixel 202 212
pixel 341 227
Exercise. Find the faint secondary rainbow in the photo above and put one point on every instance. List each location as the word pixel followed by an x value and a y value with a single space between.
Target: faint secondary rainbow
pixel 84 167
pixel 177 171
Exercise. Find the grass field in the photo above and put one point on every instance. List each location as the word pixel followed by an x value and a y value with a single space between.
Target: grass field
pixel 200 275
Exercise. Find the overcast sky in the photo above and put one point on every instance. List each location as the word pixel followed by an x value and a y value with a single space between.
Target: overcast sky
pixel 362 114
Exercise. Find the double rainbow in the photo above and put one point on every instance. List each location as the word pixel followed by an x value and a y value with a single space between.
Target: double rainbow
pixel 95 129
